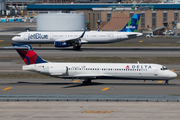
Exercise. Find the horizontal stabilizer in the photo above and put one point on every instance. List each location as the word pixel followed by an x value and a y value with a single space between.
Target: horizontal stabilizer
pixel 17 48
pixel 132 36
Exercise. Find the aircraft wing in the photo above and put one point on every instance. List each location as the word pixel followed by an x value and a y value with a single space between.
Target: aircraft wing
pixel 82 76
pixel 75 40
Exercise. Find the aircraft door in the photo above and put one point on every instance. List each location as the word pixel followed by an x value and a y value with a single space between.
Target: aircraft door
pixel 155 72
pixel 118 36
pixel 51 36
pixel 140 73
pixel 26 36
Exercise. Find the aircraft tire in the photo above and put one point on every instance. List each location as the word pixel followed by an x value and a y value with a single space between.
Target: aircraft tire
pixel 77 47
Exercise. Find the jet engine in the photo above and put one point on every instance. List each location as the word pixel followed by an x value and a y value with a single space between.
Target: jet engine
pixel 55 70
pixel 61 44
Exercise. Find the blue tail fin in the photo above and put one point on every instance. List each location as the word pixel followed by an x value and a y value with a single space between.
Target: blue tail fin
pixel 27 54
pixel 132 25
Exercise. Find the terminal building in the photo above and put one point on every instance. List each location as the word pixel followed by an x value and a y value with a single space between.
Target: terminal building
pixel 2 6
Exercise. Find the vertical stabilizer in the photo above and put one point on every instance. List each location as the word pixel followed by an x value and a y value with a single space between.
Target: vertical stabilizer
pixel 27 54
pixel 132 25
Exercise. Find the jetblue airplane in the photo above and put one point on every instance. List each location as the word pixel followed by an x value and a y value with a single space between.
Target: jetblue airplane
pixel 66 39
pixel 92 71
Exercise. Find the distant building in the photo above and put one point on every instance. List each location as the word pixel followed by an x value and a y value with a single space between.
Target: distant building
pixel 176 1
pixel 2 4
pixel 117 22
pixel 152 15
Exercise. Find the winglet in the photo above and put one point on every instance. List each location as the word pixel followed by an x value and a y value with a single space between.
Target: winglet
pixel 132 25
pixel 82 34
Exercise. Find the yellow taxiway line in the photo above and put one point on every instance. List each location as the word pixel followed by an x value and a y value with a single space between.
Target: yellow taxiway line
pixel 75 81
pixel 7 88
pixel 141 41
pixel 104 89
pixel 1 40
pixel 160 81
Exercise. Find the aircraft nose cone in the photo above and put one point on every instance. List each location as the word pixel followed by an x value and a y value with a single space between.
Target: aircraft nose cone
pixel 14 39
pixel 173 75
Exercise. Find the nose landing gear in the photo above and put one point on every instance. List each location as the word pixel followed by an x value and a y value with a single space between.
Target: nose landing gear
pixel 166 82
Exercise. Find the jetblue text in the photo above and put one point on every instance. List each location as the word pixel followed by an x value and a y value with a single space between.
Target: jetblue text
pixel 38 36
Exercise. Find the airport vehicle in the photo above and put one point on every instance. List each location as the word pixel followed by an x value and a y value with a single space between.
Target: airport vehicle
pixel 76 39
pixel 91 71
pixel 168 32
pixel 150 35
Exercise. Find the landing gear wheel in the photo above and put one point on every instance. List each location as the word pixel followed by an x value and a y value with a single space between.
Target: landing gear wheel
pixel 166 82
pixel 77 47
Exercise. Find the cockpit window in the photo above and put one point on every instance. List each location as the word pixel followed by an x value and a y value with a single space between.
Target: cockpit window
pixel 18 35
pixel 164 68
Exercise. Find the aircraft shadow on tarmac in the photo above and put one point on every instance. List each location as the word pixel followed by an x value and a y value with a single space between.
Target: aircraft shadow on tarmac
pixel 71 85
pixel 121 84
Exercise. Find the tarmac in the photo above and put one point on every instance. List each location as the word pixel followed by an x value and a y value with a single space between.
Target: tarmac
pixel 89 111
pixel 130 108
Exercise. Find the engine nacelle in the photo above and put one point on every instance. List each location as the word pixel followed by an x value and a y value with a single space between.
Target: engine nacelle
pixel 60 44
pixel 55 70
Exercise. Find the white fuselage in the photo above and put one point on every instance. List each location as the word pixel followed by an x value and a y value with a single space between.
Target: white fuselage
pixel 103 70
pixel 90 37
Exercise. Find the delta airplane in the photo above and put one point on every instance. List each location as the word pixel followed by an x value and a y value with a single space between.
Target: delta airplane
pixel 92 71
pixel 66 39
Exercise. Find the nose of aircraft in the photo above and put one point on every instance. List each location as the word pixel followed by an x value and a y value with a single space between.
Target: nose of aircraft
pixel 172 75
pixel 14 39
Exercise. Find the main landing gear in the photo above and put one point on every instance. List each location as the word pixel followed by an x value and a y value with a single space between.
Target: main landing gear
pixel 166 82
pixel 77 46
pixel 87 82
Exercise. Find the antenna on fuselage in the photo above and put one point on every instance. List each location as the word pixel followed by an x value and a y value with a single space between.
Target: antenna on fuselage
pixel 137 62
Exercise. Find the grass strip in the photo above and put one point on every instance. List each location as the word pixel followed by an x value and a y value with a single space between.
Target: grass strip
pixel 156 60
